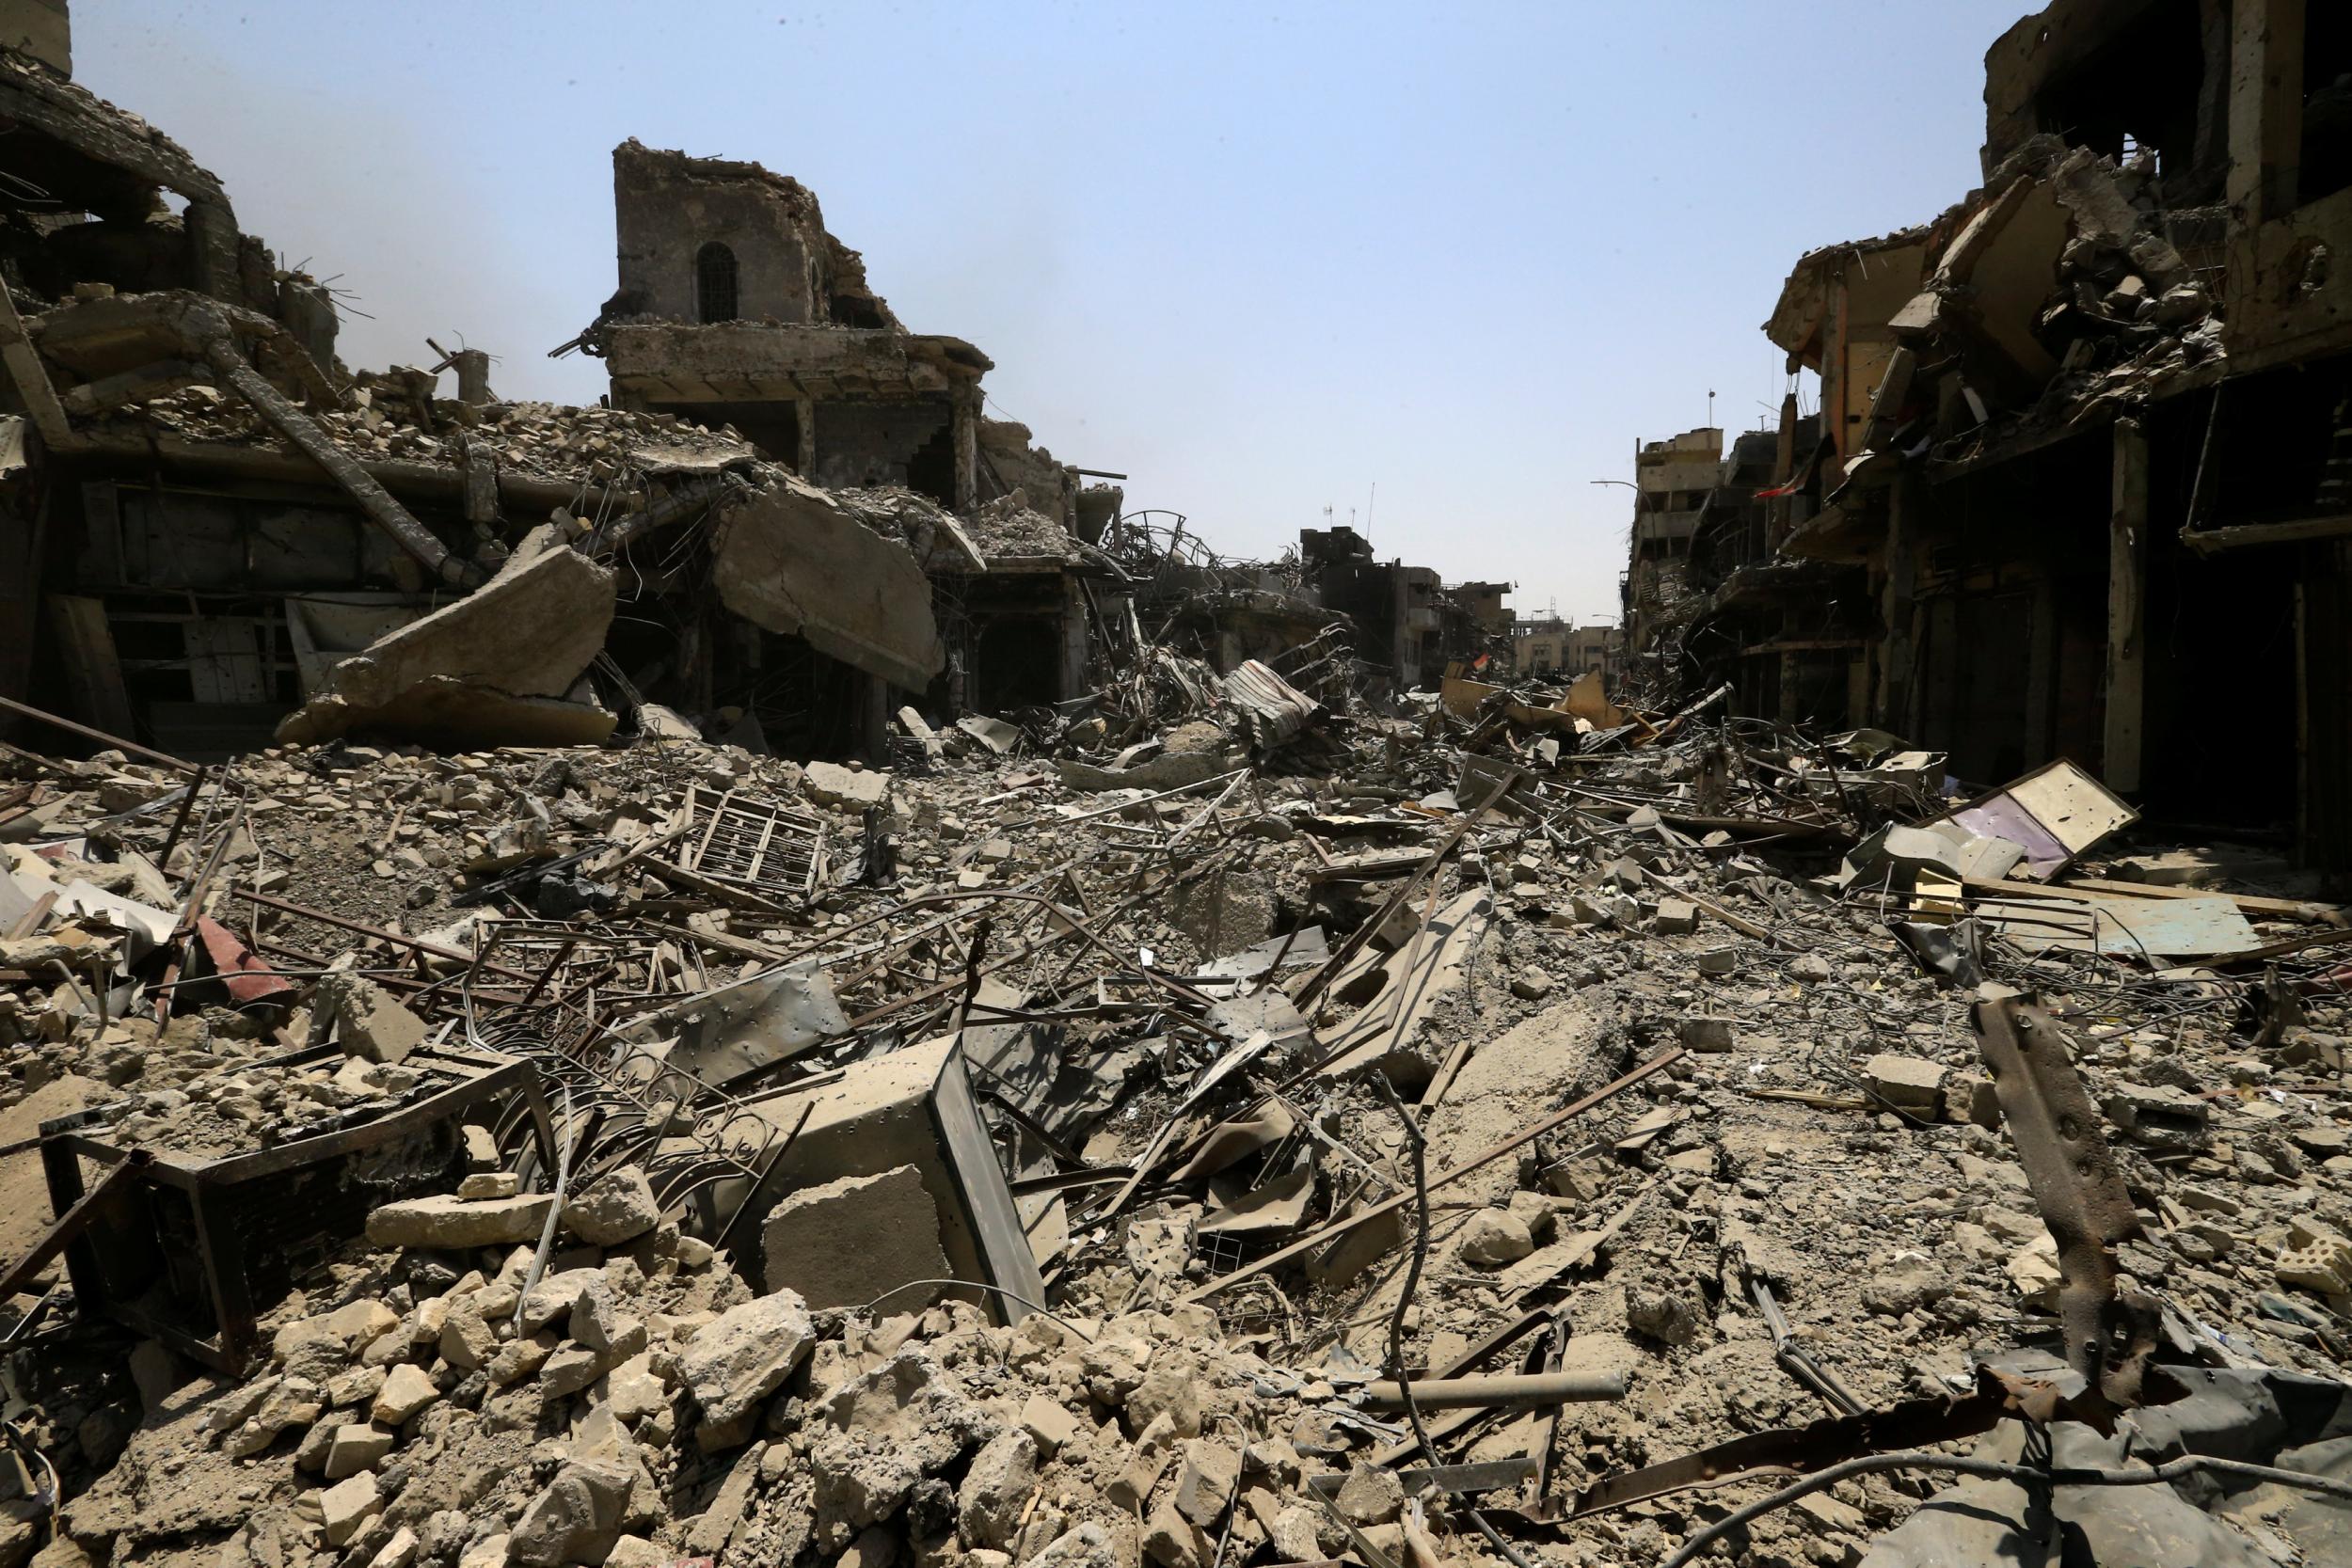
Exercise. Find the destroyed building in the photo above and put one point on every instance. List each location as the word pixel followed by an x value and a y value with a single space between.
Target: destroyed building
pixel 1672 478
pixel 1255 1115
pixel 2079 482
pixel 736 309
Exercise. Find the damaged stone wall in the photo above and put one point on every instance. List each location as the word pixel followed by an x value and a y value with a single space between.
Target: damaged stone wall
pixel 784 265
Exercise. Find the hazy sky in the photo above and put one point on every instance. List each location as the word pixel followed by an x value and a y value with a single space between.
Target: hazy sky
pixel 1260 258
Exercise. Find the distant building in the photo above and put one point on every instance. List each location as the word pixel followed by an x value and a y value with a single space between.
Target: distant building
pixel 1673 479
pixel 1482 601
pixel 1548 645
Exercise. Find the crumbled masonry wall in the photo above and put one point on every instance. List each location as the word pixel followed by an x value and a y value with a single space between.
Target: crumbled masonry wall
pixel 667 206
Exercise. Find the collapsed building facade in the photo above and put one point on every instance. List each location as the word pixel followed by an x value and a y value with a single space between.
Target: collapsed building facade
pixel 213 516
pixel 1089 1142
pixel 2078 486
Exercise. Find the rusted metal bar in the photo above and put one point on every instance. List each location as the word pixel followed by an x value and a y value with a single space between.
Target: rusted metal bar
pixel 1510 1388
pixel 2109 1336
pixel 180 817
pixel 129 748
pixel 303 434
pixel 359 927
pixel 1800 1450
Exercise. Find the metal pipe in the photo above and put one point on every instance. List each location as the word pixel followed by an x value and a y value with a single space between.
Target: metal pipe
pixel 1481 1393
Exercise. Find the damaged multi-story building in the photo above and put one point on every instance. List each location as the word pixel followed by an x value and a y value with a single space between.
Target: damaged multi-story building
pixel 216 533
pixel 737 311
pixel 2081 484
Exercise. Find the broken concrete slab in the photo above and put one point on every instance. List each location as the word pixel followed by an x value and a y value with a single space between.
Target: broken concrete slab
pixel 738 1359
pixel 850 789
pixel 1907 1083
pixel 530 632
pixel 446 1222
pixel 794 559
pixel 367 1020
pixel 614 1208
pixel 851 1241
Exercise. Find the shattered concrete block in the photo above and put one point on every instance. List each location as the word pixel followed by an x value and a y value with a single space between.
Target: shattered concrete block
pixel 520 1358
pixel 445 1223
pixel 528 634
pixel 1495 1237
pixel 2158 1117
pixel 1719 961
pixel 491 1184
pixel 1905 1285
pixel 341 1333
pixel 635 1551
pixel 345 1508
pixel 399 1552
pixel 739 1358
pixel 829 784
pixel 1908 1083
pixel 1666 1316
pixel 481 1149
pixel 450 1223
pixel 1531 984
pixel 369 1022
pixel 995 1490
pixel 613 1208
pixel 1674 917
pixel 2315 1258
pixel 467 1341
pixel 576 1518
pixel 1206 1473
pixel 355 1447
pixel 849 1242
pixel 1053 1426
pixel 1171 1541
pixel 408 1388
pixel 1703 1032
pixel 1970 1097
pixel 568 1371
pixel 1593 908
pixel 1371 1494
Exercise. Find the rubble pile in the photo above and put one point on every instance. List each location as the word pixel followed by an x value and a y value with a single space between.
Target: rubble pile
pixel 383 419
pixel 1649 1056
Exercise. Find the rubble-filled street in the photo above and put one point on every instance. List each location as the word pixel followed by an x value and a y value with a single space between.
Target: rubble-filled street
pixel 766 973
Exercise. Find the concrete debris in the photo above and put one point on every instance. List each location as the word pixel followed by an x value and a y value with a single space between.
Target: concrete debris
pixel 858 1258
pixel 969 1030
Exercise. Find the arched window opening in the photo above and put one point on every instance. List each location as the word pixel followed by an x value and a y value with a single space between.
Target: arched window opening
pixel 714 283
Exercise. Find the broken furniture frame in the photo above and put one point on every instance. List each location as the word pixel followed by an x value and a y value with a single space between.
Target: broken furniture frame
pixel 758 846
pixel 228 1219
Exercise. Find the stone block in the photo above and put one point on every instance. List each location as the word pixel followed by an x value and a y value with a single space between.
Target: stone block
pixel 346 1507
pixel 738 1358
pixel 1907 1083
pixel 612 1210
pixel 829 784
pixel 1674 917
pixel 446 1223
pixel 408 1388
pixel 847 1242
pixel 1704 1032
pixel 355 1447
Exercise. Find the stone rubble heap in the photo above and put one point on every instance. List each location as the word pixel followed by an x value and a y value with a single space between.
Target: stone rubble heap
pixel 432 1396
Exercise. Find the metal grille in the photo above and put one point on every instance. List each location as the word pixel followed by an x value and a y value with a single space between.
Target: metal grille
pixel 757 844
